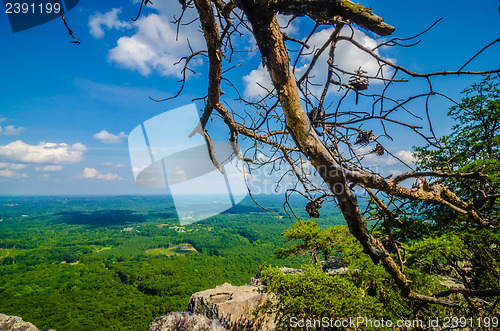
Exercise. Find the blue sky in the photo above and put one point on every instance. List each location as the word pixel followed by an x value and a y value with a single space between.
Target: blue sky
pixel 66 110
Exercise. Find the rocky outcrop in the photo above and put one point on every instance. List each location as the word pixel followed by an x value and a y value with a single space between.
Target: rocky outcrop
pixel 233 306
pixel 225 307
pixel 185 321
pixel 14 323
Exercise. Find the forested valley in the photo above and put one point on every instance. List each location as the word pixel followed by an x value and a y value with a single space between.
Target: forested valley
pixel 116 263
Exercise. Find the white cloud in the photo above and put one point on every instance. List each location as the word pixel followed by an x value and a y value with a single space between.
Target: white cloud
pixel 108 20
pixel 289 29
pixel 92 173
pixel 12 166
pixel 18 151
pixel 347 57
pixel 79 147
pixel 10 130
pixel 2 119
pixel 154 46
pixel 385 160
pixel 108 138
pixel 109 164
pixel 11 174
pixel 50 168
pixel 389 160
pixel 406 156
pixel 6 173
pixel 257 83
pixel 365 152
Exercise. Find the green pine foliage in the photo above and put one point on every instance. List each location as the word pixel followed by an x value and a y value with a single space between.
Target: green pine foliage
pixel 363 289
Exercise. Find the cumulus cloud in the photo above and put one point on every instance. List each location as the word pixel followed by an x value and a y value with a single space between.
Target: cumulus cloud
pixel 10 130
pixel 79 147
pixel 12 166
pixel 257 83
pixel 107 20
pixel 9 170
pixel 347 57
pixel 53 153
pixel 385 160
pixel 51 168
pixel 2 119
pixel 7 173
pixel 109 164
pixel 91 173
pixel 406 156
pixel 108 138
pixel 290 28
pixel 156 47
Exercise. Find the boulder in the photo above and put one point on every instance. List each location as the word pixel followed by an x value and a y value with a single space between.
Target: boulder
pixel 226 306
pixel 185 321
pixel 233 306
pixel 14 323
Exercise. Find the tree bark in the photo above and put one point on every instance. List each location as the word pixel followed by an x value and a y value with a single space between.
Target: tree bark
pixel 333 11
pixel 275 55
